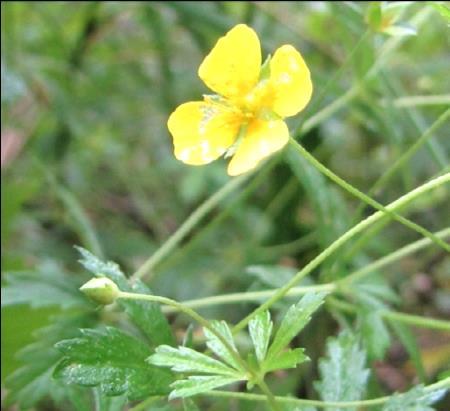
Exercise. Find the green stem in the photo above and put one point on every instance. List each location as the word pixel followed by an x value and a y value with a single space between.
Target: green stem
pixel 410 319
pixel 220 217
pixel 144 404
pixel 188 311
pixel 396 255
pixel 188 225
pixel 269 395
pixel 205 323
pixel 307 269
pixel 388 47
pixel 255 296
pixel 355 192
pixel 297 245
pixel 443 384
pixel 413 101
pixel 410 152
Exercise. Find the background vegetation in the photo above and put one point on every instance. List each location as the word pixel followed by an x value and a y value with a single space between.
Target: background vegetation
pixel 86 159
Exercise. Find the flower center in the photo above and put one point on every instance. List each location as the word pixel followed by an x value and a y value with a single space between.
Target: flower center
pixel 258 100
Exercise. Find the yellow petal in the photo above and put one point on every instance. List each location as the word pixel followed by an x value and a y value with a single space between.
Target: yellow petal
pixel 263 138
pixel 202 132
pixel 291 81
pixel 232 67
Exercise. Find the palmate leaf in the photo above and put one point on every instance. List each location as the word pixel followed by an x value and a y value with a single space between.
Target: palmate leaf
pixel 184 359
pixel 374 333
pixel 260 329
pixel 48 286
pixel 218 348
pixel 197 384
pixel 285 359
pixel 343 373
pixel 114 361
pixel 145 315
pixel 416 399
pixel 294 321
pixel 28 385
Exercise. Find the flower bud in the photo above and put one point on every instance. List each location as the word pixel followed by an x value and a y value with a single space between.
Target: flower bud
pixel 102 290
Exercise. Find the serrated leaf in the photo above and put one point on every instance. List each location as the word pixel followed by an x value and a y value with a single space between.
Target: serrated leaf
pixel 375 291
pixel 294 321
pixel 184 359
pixel 218 348
pixel 198 384
pixel 147 316
pixel 374 333
pixel 416 399
pixel 48 286
pixel 260 329
pixel 286 359
pixel 342 371
pixel 112 360
pixel 31 383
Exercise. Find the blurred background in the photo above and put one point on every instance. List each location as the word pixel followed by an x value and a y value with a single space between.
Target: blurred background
pixel 86 90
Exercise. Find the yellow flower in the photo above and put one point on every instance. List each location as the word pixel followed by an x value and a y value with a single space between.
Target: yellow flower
pixel 245 118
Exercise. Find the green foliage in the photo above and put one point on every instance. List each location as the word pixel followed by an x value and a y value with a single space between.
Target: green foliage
pixel 416 399
pixel 47 286
pixel 146 316
pixel 374 333
pixel 232 369
pixel 342 371
pixel 87 159
pixel 260 329
pixel 33 382
pixel 112 360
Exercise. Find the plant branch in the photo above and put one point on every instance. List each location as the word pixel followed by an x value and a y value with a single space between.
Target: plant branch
pixel 363 197
pixel 443 384
pixel 307 269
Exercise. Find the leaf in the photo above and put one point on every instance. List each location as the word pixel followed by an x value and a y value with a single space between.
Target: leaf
pixel 400 30
pixel 294 321
pixel 272 275
pixel 198 384
pixel 374 291
pixel 286 359
pixel 374 15
pixel 184 359
pixel 416 399
pixel 409 341
pixel 112 360
pixel 48 286
pixel 28 385
pixel 343 373
pixel 218 348
pixel 260 328
pixel 147 316
pixel 443 10
pixel 374 333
